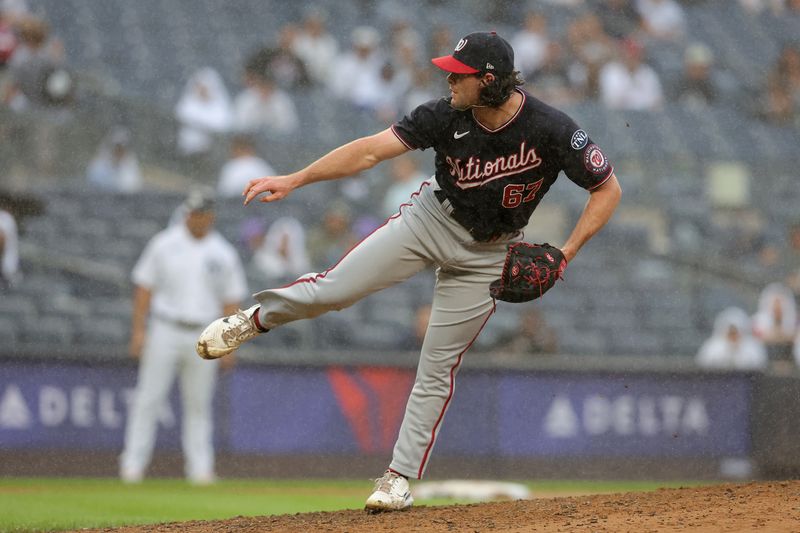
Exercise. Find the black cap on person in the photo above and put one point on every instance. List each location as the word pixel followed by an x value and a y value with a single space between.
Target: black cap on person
pixel 199 200
pixel 479 52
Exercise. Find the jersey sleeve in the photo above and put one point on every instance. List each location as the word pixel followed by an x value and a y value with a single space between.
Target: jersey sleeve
pixel 418 130
pixel 581 159
pixel 145 271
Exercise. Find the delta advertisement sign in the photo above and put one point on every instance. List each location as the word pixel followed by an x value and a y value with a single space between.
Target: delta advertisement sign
pixel 73 407
pixel 358 410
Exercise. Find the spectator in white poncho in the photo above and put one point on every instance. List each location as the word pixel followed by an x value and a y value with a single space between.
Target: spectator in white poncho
pixel 263 107
pixel 732 344
pixel 204 110
pixel 775 322
pixel 283 256
pixel 630 83
pixel 244 165
pixel 316 47
pixel 662 19
pixel 356 76
pixel 115 167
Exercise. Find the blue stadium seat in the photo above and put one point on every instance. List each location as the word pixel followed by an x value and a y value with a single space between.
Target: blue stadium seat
pixel 332 331
pixel 42 285
pixel 120 308
pixel 683 341
pixel 18 306
pixel 48 331
pixel 139 230
pixel 634 341
pixel 149 47
pixel 106 331
pixel 391 305
pixel 8 332
pixel 122 253
pixel 93 229
pixel 583 342
pixel 379 336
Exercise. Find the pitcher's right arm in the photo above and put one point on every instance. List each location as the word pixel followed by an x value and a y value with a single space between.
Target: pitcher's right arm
pixel 347 160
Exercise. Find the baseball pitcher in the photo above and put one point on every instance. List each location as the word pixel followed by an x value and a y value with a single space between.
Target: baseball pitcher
pixel 498 151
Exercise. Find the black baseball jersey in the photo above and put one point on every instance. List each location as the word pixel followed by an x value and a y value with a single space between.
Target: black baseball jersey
pixel 494 179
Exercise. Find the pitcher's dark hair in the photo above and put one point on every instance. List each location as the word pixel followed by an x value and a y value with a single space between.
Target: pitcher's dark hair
pixel 497 92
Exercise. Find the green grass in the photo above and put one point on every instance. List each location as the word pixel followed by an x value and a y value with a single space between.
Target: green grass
pixel 47 504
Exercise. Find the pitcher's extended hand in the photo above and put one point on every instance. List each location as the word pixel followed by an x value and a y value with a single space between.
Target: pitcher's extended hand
pixel 278 188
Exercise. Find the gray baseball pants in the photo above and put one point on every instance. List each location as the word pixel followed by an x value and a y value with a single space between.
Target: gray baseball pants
pixel 420 235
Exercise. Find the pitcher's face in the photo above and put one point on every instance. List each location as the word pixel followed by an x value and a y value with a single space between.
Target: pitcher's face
pixel 465 90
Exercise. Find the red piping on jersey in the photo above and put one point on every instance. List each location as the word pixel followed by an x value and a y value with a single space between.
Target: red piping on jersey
pixel 314 278
pixel 512 119
pixel 405 143
pixel 413 194
pixel 604 180
pixel 450 393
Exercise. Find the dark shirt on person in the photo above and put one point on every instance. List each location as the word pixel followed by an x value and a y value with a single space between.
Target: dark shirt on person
pixel 494 179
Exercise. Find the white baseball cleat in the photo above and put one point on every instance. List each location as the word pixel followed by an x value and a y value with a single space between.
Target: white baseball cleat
pixel 131 476
pixel 224 335
pixel 391 494
pixel 202 480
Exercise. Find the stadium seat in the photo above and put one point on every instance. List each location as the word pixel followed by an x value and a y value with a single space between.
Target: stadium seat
pixel 583 342
pixel 379 336
pixel 8 332
pixel 103 331
pixel 682 341
pixel 147 49
pixel 634 341
pixel 48 330
pixel 18 307
pixel 392 305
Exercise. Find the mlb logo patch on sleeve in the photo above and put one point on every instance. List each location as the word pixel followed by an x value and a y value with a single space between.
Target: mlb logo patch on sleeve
pixel 579 139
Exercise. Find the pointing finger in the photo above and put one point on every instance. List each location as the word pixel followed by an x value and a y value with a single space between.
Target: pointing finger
pixel 255 188
pixel 250 185
pixel 250 196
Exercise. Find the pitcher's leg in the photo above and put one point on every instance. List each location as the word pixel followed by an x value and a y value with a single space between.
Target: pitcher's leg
pixel 461 306
pixel 389 255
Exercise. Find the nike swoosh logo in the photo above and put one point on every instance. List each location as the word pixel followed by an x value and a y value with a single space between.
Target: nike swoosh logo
pixel 457 135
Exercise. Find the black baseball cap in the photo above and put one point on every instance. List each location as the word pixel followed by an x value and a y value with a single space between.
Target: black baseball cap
pixel 479 52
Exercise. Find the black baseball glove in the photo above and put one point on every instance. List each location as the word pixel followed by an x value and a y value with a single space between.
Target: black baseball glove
pixel 530 271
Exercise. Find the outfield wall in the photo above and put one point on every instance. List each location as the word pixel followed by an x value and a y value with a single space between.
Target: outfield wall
pixel 552 420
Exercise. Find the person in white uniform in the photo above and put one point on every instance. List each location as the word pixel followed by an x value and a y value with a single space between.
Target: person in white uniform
pixel 187 275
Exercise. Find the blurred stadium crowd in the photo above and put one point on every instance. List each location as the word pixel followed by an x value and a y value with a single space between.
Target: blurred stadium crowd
pixel 111 110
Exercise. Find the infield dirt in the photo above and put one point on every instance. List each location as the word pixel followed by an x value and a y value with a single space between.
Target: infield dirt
pixel 761 506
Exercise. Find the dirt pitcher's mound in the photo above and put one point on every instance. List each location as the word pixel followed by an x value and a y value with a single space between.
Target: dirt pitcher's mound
pixel 767 506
